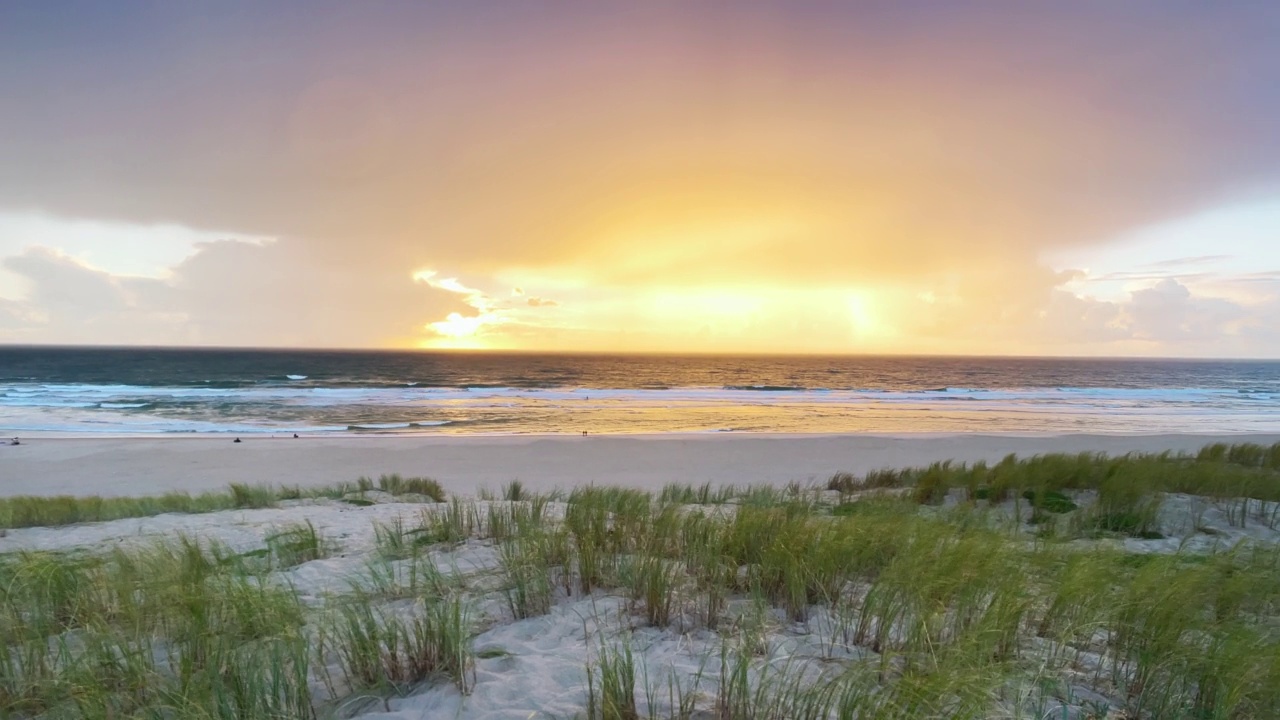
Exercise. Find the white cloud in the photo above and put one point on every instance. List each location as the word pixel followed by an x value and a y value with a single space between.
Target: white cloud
pixel 69 299
pixel 1242 240
pixel 118 248
pixel 1166 317
pixel 226 293
pixel 492 315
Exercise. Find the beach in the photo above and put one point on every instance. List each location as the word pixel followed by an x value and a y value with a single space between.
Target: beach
pixel 644 361
pixel 703 576
pixel 463 465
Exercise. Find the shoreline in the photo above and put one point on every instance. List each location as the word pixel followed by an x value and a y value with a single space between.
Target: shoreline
pixel 465 463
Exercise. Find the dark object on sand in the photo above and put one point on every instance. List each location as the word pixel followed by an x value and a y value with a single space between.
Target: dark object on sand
pixel 295 434
pixel 236 440
pixel 14 442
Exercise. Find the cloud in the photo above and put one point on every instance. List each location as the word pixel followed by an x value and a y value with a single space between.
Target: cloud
pixel 493 319
pixel 64 285
pixel 641 119
pixel 227 293
pixel 1040 316
pixel 594 155
pixel 459 329
pixel 232 291
pixel 1196 261
pixel 68 299
pixel 1168 313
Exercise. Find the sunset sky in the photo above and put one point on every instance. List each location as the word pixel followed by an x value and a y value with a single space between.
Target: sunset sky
pixel 1061 178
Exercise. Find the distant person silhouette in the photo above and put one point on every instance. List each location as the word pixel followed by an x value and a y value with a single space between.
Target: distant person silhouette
pixel 14 442
pixel 236 440
pixel 295 434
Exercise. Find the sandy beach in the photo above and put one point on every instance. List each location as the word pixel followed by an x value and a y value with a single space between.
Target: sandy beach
pixel 679 361
pixel 687 602
pixel 139 466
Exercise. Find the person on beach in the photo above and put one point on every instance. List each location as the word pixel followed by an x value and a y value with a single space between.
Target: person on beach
pixel 236 440
pixel 14 442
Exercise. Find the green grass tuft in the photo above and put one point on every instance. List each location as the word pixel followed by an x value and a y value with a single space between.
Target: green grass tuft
pixel 380 649
pixel 1050 501
pixel 396 485
pixel 514 491
pixel 252 496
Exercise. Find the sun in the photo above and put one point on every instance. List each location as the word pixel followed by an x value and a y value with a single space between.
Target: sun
pixel 457 332
pixel 864 315
pixel 457 325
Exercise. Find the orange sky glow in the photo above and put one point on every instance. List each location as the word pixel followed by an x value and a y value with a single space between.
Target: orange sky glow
pixel 755 177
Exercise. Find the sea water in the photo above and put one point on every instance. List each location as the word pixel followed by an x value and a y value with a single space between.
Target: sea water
pixel 183 391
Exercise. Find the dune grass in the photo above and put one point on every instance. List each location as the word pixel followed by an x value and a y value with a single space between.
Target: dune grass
pixel 957 619
pixel 916 595
pixel 381 649
pixel 397 485
pixel 611 684
pixel 1244 478
pixel 529 591
pixel 50 511
pixel 174 626
pixel 29 511
pixel 297 544
pixel 191 629
pixel 964 618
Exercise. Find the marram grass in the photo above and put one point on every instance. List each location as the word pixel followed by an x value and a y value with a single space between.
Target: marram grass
pixel 908 611
pixel 49 511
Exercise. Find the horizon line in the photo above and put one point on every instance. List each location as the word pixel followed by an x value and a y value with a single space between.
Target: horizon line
pixel 626 353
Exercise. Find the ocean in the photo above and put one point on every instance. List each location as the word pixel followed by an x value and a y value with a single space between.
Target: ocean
pixel 118 391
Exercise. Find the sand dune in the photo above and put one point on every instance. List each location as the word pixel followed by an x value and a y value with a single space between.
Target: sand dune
pixel 1005 569
pixel 536 667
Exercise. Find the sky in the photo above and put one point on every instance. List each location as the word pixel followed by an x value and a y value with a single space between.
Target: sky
pixel 1005 178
